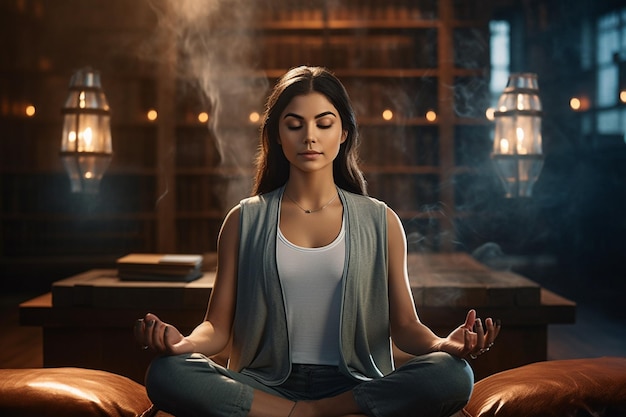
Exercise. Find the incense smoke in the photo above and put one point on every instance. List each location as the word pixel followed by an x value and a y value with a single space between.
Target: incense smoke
pixel 216 61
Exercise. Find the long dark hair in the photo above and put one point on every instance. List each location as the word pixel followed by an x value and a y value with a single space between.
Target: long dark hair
pixel 272 168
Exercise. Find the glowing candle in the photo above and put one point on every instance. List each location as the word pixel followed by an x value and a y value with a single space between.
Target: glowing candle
pixel 504 145
pixel 521 148
pixel 86 139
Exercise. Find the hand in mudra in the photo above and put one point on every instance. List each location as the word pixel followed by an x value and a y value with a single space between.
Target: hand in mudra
pixel 472 338
pixel 152 333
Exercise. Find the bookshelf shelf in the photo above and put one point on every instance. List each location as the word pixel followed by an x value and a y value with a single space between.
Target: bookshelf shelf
pixel 216 171
pixel 201 214
pixel 64 218
pixel 395 169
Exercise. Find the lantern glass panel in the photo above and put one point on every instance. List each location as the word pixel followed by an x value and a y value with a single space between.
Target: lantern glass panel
pixel 87 133
pixel 517 146
pixel 86 145
pixel 85 171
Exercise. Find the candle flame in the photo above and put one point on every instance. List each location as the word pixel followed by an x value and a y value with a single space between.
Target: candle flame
pixel 88 136
pixel 521 149
pixel 504 145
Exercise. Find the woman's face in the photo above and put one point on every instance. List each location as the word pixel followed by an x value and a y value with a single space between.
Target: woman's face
pixel 310 132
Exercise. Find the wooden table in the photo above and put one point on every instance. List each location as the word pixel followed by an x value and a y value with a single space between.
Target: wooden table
pixel 87 319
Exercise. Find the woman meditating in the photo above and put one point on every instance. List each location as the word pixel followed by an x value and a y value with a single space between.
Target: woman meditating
pixel 311 289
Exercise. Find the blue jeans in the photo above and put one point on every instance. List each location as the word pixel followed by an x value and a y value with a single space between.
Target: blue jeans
pixel 436 384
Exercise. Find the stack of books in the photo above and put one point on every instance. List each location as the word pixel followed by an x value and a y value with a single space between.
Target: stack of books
pixel 159 267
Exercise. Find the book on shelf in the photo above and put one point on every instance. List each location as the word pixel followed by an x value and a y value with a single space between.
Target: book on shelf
pixel 159 267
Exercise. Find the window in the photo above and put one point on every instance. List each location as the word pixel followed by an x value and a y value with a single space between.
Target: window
pixel 500 57
pixel 610 51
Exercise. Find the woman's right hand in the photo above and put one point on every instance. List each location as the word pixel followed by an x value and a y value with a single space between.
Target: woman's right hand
pixel 160 337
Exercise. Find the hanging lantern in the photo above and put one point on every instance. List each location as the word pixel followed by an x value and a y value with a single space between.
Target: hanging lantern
pixel 86 148
pixel 517 150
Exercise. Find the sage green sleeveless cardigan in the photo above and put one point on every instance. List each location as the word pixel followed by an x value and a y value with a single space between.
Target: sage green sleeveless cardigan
pixel 260 339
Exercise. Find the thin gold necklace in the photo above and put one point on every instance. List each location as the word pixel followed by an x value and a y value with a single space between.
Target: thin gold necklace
pixel 307 211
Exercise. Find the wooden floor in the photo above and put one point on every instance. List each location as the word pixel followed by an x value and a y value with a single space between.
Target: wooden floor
pixel 20 346
pixel 597 332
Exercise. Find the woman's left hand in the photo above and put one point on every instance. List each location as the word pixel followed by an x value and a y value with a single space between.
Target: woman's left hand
pixel 472 338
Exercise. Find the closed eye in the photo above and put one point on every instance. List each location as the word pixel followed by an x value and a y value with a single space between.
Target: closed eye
pixel 319 126
pixel 324 120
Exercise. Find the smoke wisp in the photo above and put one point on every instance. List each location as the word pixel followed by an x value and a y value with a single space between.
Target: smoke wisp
pixel 216 62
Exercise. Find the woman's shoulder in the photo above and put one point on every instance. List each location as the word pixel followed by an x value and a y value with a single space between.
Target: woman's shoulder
pixel 364 200
pixel 259 199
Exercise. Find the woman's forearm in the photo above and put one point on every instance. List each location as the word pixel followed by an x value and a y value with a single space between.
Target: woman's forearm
pixel 416 339
pixel 208 340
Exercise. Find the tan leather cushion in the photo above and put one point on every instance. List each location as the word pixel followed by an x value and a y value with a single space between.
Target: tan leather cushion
pixel 70 392
pixel 564 388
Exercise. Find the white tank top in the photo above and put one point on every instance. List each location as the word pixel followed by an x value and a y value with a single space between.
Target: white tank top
pixel 311 280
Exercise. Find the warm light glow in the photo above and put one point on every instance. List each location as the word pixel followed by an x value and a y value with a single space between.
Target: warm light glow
pixel 30 110
pixel 521 101
pixel 86 148
pixel 254 117
pixel 56 388
pixel 490 113
pixel 504 146
pixel 521 149
pixel 517 151
pixel 87 138
pixel 84 138
pixel 152 115
pixel 431 116
pixel 203 117
pixel 387 114
pixel 574 103
pixel 622 96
